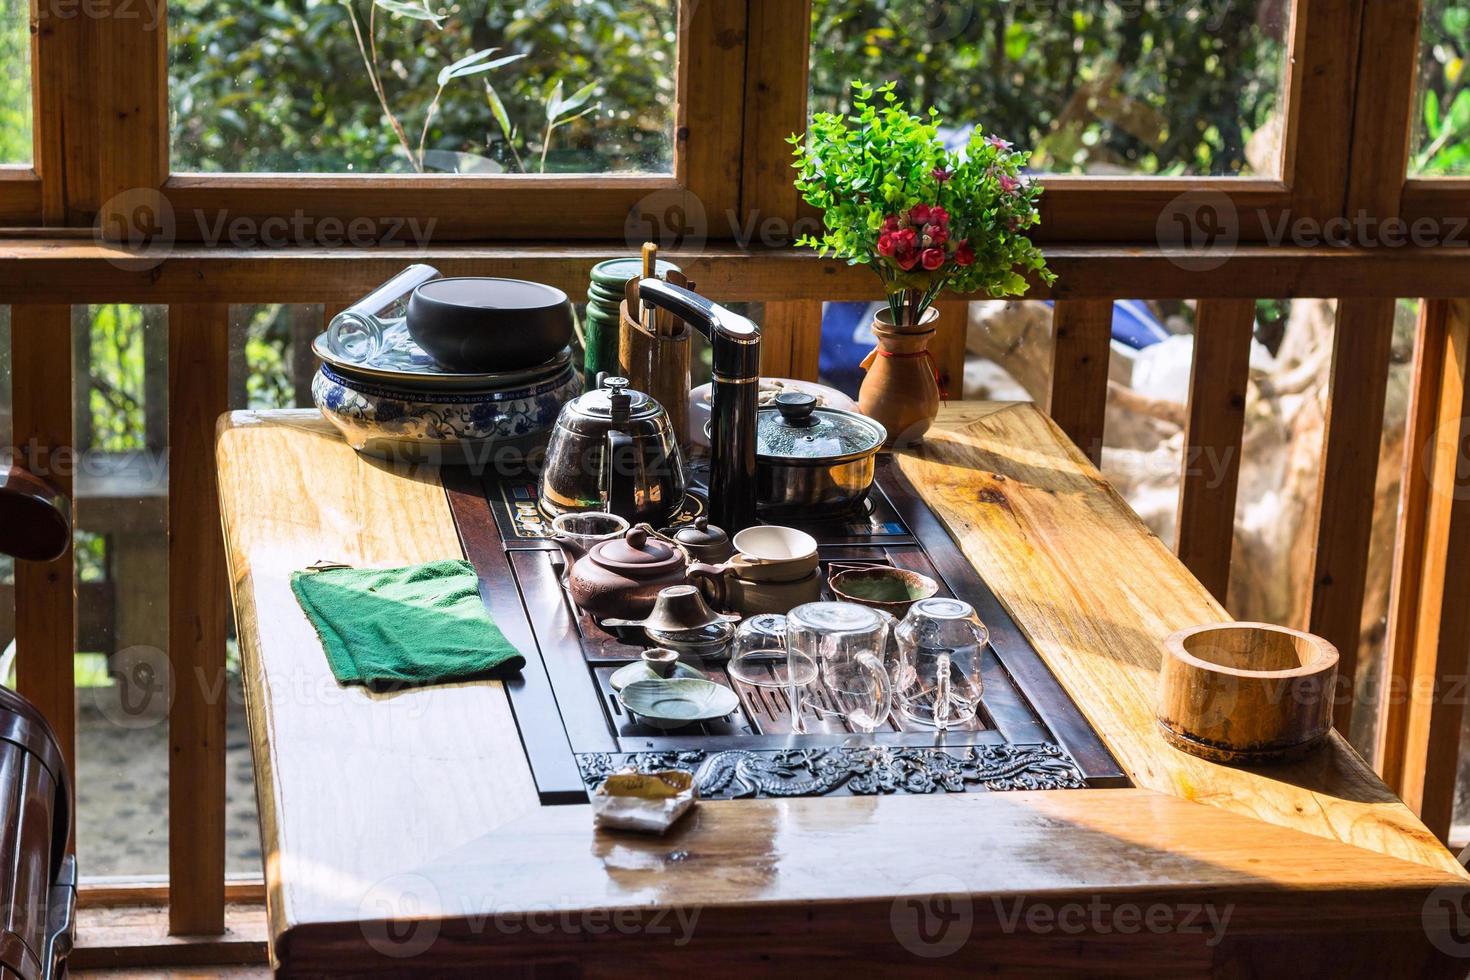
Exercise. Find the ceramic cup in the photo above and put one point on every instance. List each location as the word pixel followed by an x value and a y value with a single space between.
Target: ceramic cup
pixel 893 590
pixel 733 593
pixel 770 553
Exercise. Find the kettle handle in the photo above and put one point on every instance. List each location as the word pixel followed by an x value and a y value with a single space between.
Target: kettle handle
pixel 619 472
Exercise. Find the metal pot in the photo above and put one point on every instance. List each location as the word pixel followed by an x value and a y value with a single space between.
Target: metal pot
pixel 813 459
pixel 613 450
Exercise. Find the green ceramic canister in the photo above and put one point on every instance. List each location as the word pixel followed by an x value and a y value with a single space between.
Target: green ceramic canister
pixel 601 325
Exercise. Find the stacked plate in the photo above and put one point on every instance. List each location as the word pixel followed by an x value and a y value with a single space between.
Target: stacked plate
pixel 402 405
pixel 604 299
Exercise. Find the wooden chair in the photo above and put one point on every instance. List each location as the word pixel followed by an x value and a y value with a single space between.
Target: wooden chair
pixel 38 884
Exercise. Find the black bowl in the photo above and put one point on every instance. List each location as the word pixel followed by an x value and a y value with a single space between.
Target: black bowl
pixel 479 324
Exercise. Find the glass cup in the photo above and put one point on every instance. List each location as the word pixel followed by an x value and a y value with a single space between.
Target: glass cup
pixel 761 656
pixel 936 678
pixel 846 641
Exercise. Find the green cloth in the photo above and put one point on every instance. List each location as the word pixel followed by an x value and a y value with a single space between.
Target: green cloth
pixel 398 627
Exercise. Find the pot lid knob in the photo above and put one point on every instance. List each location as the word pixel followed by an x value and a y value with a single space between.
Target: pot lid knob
pixel 701 532
pixel 796 407
pixel 634 549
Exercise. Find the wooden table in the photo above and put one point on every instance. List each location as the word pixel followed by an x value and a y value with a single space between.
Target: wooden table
pixel 402 832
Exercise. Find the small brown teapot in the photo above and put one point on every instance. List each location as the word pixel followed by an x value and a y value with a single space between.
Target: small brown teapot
pixel 621 577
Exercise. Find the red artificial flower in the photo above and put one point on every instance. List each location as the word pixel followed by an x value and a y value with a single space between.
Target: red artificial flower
pixel 885 244
pixel 906 239
pixel 920 214
pixel 940 174
pixel 907 260
pixel 933 258
pixel 938 216
pixel 890 223
pixel 964 254
pixel 935 234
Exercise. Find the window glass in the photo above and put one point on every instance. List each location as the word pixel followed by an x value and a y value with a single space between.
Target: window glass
pixel 404 86
pixel 1086 86
pixel 15 82
pixel 1442 136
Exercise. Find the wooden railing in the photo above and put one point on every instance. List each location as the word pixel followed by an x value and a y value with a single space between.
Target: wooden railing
pixel 1430 619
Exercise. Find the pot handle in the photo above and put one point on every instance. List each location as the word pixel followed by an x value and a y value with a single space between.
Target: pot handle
pixel 710 580
pixel 619 474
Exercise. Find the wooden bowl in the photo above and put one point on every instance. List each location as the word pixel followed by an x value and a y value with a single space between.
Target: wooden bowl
pixel 1246 692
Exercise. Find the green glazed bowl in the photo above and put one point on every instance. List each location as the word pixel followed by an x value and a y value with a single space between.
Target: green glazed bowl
pixel 678 701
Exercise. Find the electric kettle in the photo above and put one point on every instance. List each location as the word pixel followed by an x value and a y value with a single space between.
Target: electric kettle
pixel 613 449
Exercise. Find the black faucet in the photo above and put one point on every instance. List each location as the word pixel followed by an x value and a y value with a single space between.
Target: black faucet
pixel 736 355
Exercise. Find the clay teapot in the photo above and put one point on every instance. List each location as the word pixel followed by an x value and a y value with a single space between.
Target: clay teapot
pixel 621 577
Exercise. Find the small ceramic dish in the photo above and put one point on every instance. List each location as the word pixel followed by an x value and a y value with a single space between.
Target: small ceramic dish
pixel 708 644
pixel 677 702
pixel 640 671
pixel 893 590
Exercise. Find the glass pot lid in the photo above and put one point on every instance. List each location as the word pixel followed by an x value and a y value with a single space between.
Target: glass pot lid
pixel 794 428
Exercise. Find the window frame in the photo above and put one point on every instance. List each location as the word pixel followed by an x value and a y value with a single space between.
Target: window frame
pixel 741 76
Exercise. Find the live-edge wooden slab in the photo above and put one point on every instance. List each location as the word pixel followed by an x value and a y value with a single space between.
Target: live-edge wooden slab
pixel 420 807
pixel 1097 593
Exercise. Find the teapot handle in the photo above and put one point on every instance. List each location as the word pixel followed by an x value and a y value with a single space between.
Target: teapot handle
pixel 710 580
pixel 619 472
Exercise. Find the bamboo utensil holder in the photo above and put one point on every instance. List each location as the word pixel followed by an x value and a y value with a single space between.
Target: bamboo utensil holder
pixel 658 365
pixel 1246 692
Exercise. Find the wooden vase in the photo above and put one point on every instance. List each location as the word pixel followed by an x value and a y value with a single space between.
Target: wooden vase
pixel 1246 693
pixel 900 389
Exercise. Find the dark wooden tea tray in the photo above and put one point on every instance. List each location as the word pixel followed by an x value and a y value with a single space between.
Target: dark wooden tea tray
pixel 1028 734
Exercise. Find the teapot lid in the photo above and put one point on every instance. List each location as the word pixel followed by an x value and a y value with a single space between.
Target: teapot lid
pixel 635 552
pixel 700 534
pixel 598 403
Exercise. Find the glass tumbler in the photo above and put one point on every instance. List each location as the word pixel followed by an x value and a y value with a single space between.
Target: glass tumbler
pixel 846 641
pixel 761 656
pixel 936 678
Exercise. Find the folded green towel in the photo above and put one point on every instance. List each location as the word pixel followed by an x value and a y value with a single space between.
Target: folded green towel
pixel 398 627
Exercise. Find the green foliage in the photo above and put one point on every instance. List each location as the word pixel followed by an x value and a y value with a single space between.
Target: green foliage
pixel 282 85
pixel 1443 144
pixel 15 84
pixel 877 174
pixel 1139 87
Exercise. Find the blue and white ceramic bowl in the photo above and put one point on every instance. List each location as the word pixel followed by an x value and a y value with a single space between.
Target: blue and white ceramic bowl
pixel 447 427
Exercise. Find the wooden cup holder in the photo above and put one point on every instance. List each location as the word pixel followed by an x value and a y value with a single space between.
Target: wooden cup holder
pixel 1246 692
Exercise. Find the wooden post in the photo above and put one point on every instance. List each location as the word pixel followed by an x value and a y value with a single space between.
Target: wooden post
pixel 45 592
pixel 1212 433
pixel 1361 345
pixel 948 346
pixel 1082 332
pixel 198 395
pixel 1430 638
pixel 791 340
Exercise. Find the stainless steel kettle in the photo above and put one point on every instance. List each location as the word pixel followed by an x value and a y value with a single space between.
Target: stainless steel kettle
pixel 613 450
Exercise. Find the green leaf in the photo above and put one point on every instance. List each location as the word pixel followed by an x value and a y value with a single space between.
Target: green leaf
pixel 411 11
pixel 448 71
pixel 579 98
pixel 482 67
pixel 1431 112
pixel 497 109
pixel 553 102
